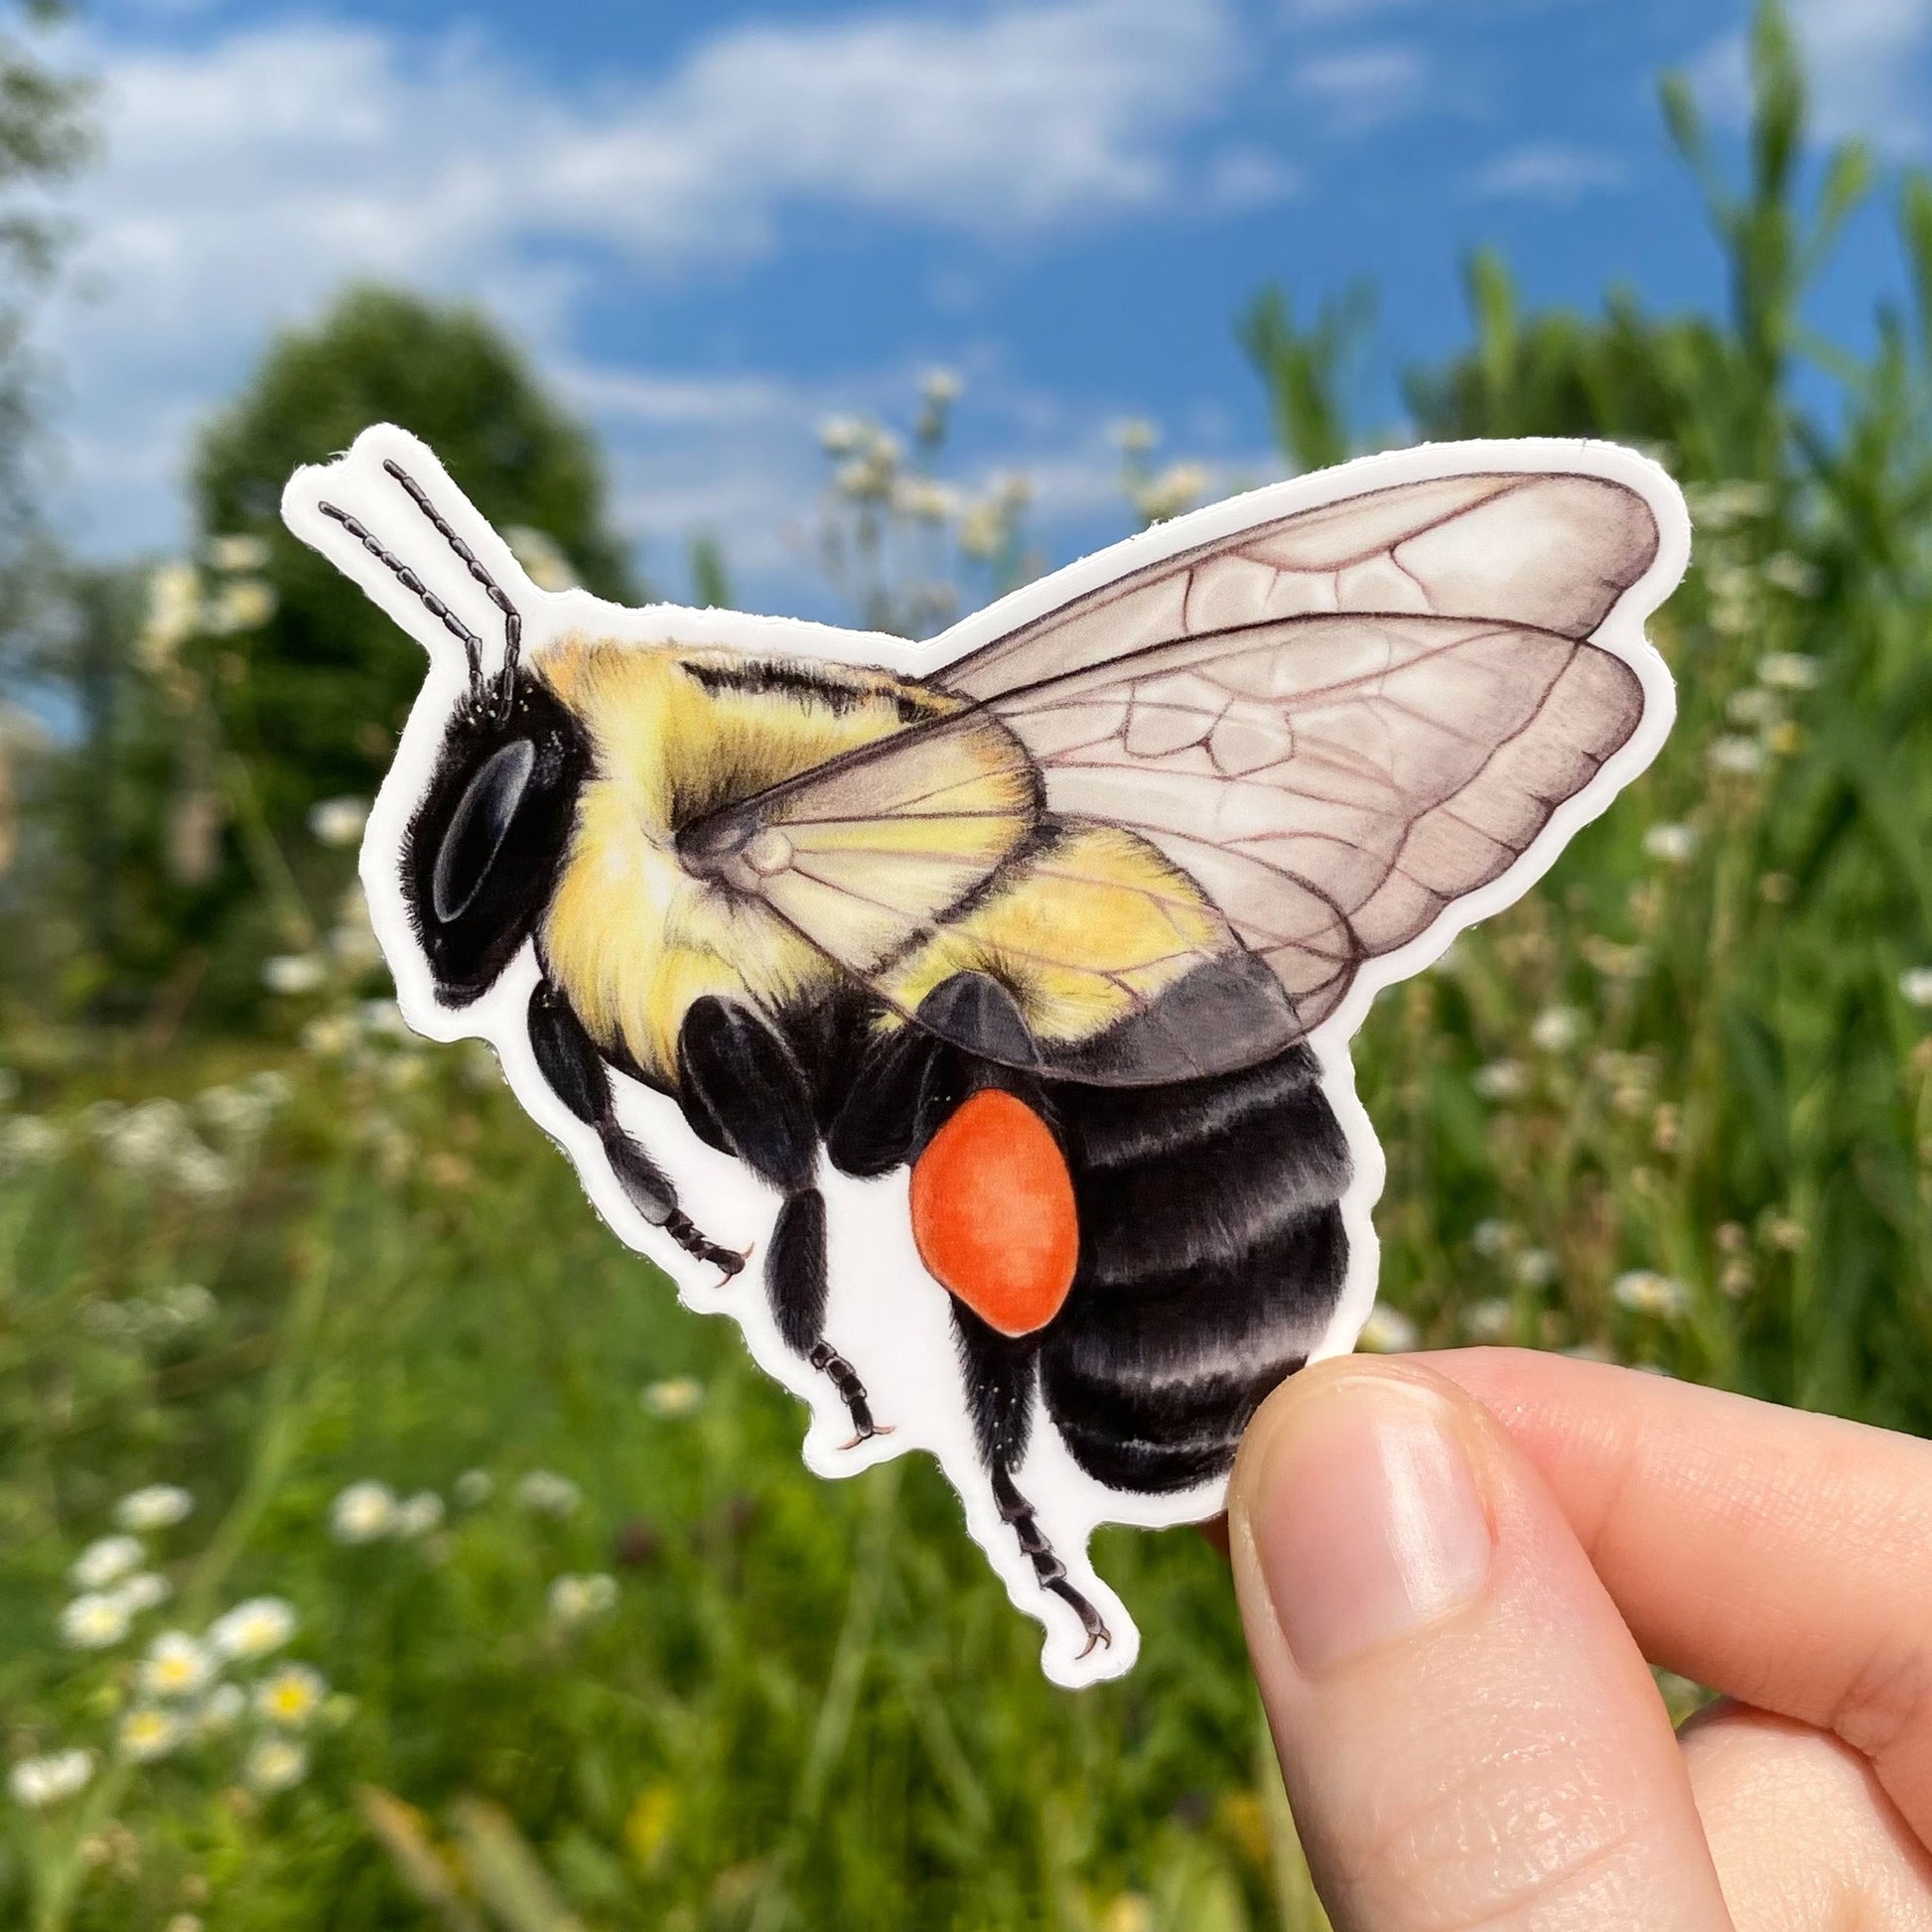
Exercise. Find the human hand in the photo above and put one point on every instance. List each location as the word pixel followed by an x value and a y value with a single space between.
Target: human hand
pixel 1451 1569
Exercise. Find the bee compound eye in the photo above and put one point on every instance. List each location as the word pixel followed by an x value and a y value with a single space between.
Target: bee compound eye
pixel 478 827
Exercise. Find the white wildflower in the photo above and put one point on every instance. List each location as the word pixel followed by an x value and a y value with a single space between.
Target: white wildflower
pixel 545 1493
pixel 1742 757
pixel 682 1395
pixel 38 1782
pixel 338 822
pixel 145 1733
pixel 923 499
pixel 294 973
pixel 275 1764
pixel 142 1592
pixel 1793 575
pixel 28 1141
pixel 841 435
pixel 105 1560
pixel 143 1139
pixel 419 1514
pixel 1179 486
pixel 1671 845
pixel 188 1304
pixel 363 1513
pixel 291 1695
pixel 941 386
pixel 1493 1237
pixel 241 604
pixel 982 531
pixel 330 1036
pixel 577 1600
pixel 473 1487
pixel 1557 1029
pixel 1756 707
pixel 199 1173
pixel 1915 986
pixel 254 1628
pixel 1501 1080
pixel 173 612
pixel 95 1621
pixel 545 562
pixel 1536 1267
pixel 1489 1320
pixel 238 552
pixel 1135 437
pixel 1718 505
pixel 1788 670
pixel 383 1019
pixel 176 1666
pixel 1645 1291
pixel 1387 1331
pixel 221 1711
pixel 239 1110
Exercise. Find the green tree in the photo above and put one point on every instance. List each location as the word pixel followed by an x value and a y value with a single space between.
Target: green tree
pixel 219 698
pixel 314 696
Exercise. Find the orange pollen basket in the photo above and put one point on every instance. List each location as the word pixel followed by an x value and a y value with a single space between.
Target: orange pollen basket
pixel 993 1213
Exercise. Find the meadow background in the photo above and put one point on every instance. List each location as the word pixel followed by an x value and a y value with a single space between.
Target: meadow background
pixel 380 1547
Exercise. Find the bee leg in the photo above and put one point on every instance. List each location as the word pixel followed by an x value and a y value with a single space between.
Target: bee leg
pixel 902 1087
pixel 742 1090
pixel 1000 1372
pixel 574 1072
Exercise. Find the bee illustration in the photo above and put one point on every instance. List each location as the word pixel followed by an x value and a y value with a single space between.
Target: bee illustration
pixel 1068 932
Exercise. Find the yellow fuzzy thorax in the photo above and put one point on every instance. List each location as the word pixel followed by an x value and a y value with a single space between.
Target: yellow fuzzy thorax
pixel 1082 929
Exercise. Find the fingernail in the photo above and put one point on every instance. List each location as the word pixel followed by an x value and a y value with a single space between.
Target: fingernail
pixel 1369 1523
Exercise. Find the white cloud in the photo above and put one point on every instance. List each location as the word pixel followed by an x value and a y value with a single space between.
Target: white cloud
pixel 1363 87
pixel 246 180
pixel 1243 178
pixel 1868 63
pixel 1550 171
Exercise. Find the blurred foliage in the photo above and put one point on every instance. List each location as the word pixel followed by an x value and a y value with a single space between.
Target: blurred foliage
pixel 596 1650
pixel 1737 1094
pixel 238 689
pixel 900 542
pixel 44 134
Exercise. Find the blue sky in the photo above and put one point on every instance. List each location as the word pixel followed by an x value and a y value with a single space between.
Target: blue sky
pixel 714 225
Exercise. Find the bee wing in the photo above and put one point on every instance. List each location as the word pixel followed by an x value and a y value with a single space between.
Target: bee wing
pixel 1335 725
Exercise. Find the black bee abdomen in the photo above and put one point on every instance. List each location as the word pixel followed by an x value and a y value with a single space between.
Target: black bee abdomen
pixel 1212 1254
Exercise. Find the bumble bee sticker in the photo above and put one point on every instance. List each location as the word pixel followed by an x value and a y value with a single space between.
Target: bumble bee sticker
pixel 970 1019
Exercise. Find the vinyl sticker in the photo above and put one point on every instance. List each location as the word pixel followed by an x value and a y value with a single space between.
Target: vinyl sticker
pixel 970 1019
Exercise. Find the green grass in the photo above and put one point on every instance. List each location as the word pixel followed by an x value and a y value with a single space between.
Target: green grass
pixel 1675 1108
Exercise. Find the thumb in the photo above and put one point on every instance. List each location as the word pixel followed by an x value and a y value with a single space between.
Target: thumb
pixel 1468 1735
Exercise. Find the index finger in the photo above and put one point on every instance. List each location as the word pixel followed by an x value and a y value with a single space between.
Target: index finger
pixel 1782 1557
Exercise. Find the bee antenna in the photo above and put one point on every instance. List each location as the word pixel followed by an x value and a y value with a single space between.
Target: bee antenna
pixel 434 605
pixel 512 620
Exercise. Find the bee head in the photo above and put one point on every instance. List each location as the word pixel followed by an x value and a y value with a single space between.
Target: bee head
pixel 481 857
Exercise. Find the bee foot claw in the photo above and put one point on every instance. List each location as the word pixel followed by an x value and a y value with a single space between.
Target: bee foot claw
pixel 866 1434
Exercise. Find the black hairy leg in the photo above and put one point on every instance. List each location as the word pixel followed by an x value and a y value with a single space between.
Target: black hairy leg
pixel 744 1092
pixel 574 1072
pixel 999 1375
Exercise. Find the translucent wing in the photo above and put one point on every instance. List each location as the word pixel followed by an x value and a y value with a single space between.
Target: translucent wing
pixel 1330 727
